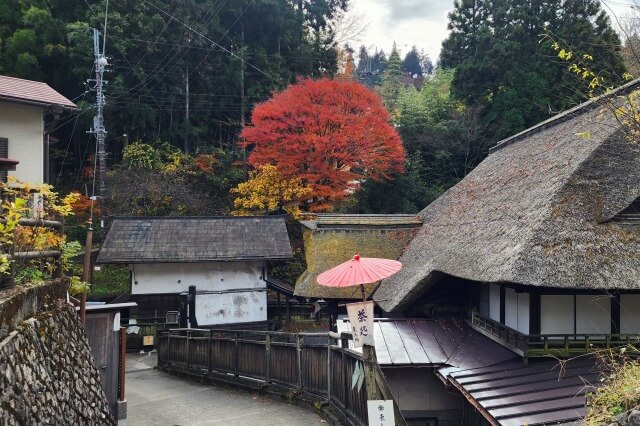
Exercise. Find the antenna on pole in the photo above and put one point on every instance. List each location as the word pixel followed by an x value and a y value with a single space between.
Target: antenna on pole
pixel 97 128
pixel 100 63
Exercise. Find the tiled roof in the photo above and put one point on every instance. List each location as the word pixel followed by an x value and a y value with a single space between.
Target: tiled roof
pixel 31 92
pixel 195 239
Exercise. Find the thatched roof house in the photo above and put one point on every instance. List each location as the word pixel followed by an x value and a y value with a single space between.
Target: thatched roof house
pixel 553 206
pixel 331 239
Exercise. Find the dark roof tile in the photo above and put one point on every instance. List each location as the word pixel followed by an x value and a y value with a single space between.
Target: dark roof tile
pixel 195 239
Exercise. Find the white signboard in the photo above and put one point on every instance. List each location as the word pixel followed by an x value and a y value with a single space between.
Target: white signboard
pixel 381 413
pixel 230 308
pixel 361 321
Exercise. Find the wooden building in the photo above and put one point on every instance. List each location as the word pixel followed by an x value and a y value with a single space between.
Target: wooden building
pixel 538 248
pixel 224 258
pixel 330 239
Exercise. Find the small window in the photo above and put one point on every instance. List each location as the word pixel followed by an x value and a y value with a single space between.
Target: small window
pixel 4 153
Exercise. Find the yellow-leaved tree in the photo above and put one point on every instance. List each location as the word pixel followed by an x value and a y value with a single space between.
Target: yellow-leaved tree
pixel 266 190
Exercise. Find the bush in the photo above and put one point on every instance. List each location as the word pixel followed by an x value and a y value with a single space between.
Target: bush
pixel 110 281
pixel 620 392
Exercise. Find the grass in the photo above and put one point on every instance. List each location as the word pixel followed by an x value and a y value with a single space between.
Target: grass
pixel 110 281
pixel 620 392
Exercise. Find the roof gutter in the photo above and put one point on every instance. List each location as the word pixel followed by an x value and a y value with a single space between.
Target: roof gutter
pixel 46 105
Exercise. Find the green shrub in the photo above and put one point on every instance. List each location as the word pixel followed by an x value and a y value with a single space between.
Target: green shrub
pixel 620 391
pixel 110 281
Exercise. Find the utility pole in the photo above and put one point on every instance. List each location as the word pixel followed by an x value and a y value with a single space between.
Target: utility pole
pixel 242 113
pixel 186 110
pixel 100 62
pixel 98 128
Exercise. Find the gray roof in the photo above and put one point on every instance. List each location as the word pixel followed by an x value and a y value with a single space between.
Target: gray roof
pixel 539 210
pixel 195 239
pixel 444 341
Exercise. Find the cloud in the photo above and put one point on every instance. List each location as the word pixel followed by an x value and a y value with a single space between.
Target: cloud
pixel 403 10
pixel 407 22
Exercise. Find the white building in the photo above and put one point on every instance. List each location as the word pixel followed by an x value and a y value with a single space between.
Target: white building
pixel 225 258
pixel 28 112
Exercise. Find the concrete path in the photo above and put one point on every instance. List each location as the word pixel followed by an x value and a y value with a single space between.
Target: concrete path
pixel 156 398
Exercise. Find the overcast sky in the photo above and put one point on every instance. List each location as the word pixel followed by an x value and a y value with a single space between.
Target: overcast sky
pixel 421 22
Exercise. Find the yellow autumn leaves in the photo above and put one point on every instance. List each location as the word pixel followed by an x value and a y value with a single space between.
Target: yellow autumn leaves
pixel 266 190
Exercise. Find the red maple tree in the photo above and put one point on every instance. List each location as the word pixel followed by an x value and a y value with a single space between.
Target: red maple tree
pixel 330 134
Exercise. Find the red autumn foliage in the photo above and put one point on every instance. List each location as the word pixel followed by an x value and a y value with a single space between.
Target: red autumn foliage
pixel 330 134
pixel 82 208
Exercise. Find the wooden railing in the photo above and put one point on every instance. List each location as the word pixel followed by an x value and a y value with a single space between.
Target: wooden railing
pixel 541 345
pixel 307 365
pixel 18 256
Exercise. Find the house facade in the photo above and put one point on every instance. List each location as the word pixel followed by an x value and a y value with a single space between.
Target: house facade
pixel 28 112
pixel 223 258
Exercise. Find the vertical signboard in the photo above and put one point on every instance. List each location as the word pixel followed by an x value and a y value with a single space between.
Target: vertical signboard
pixel 361 321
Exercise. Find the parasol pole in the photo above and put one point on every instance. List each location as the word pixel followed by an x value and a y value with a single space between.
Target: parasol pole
pixel 364 297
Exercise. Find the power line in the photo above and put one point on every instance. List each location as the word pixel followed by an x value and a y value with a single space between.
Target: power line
pixel 217 44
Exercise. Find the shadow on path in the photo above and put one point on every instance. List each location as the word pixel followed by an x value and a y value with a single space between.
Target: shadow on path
pixel 156 398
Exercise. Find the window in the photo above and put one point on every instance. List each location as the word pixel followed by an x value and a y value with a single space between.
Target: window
pixel 4 153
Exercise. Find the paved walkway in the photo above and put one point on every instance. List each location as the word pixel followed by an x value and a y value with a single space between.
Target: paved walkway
pixel 156 398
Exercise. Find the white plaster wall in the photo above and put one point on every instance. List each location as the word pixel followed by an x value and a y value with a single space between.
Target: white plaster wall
pixel 177 277
pixel 593 314
pixel 523 313
pixel 629 313
pixel 511 308
pixel 231 308
pixel 556 314
pixel 23 126
pixel 494 302
pixel 517 310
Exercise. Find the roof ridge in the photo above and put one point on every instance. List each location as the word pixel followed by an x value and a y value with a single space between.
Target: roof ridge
pixel 565 115
pixel 197 217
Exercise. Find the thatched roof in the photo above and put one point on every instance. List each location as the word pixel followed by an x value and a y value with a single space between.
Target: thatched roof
pixel 195 239
pixel 331 239
pixel 539 210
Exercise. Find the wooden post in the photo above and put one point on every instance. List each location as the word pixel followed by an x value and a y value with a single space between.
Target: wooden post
pixel 209 351
pixel 86 270
pixel 329 370
pixel 267 367
pixel 299 358
pixel 369 354
pixel 193 322
pixel 279 312
pixel 236 349
pixel 123 357
pixel 188 345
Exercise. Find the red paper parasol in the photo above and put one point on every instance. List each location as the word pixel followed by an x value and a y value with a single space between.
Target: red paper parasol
pixel 359 271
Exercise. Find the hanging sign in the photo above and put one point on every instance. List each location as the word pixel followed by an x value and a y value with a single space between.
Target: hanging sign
pixel 357 372
pixel 361 321
pixel 381 413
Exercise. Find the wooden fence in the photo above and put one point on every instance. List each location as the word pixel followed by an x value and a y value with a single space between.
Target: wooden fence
pixel 306 364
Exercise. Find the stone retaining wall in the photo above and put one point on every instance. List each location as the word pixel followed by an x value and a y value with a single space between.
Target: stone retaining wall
pixel 47 373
